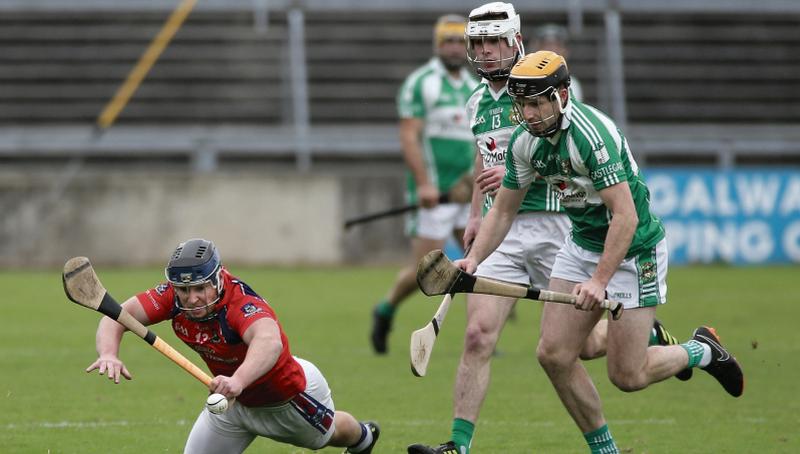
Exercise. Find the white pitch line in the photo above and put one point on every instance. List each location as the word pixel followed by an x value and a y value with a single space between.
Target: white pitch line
pixel 85 424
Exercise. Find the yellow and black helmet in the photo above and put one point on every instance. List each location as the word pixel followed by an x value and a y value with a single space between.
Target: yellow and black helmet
pixel 447 27
pixel 537 73
pixel 534 82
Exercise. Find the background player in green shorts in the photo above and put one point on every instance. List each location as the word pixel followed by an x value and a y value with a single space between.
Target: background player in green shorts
pixel 438 149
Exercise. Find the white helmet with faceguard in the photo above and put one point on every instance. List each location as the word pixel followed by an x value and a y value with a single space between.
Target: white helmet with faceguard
pixel 493 40
pixel 534 83
pixel 194 263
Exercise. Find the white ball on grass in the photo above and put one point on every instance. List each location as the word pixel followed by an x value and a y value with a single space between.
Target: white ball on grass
pixel 217 404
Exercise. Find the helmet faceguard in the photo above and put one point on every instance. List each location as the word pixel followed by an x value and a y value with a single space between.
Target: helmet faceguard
pixel 493 40
pixel 195 263
pixel 534 86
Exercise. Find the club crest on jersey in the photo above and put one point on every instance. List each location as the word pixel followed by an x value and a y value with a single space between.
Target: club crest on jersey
pixel 513 117
pixel 565 166
pixel 161 289
pixel 250 309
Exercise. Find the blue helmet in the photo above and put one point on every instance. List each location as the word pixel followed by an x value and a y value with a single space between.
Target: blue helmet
pixel 194 262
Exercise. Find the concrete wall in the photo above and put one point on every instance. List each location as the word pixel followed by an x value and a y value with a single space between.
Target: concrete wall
pixel 137 218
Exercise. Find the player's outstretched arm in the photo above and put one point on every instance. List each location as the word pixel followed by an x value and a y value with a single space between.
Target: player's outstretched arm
pixel 107 340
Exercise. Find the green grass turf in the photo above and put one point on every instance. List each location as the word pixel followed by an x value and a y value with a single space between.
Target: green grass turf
pixel 51 405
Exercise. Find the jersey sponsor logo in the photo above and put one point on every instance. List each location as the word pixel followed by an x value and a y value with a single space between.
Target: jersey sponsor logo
pixel 568 195
pixel 153 300
pixel 208 353
pixel 605 171
pixel 493 158
pixel 491 144
pixel 180 328
pixel 538 164
pixel 251 309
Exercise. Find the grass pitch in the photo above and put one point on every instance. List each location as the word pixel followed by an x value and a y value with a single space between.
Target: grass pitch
pixel 52 406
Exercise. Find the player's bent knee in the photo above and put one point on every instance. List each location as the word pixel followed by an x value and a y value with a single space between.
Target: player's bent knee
pixel 591 350
pixel 628 382
pixel 553 358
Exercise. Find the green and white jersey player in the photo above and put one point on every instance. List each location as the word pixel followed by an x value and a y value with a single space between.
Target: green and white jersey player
pixel 437 142
pixel 438 149
pixel 526 255
pixel 617 247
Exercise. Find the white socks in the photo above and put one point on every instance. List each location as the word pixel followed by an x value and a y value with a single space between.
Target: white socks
pixel 364 442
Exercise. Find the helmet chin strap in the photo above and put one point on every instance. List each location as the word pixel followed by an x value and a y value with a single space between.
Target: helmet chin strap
pixel 562 108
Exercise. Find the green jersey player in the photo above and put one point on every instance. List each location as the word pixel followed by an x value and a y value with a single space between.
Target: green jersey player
pixel 494 44
pixel 438 149
pixel 616 247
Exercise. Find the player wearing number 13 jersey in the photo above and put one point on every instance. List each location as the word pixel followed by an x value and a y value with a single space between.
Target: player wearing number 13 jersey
pixel 237 334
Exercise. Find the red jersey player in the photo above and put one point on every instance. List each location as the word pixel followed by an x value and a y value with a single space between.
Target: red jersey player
pixel 237 334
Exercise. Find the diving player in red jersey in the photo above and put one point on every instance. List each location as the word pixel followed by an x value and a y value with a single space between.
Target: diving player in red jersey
pixel 236 332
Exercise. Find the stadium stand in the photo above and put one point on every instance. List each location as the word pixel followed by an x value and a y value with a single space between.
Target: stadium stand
pixel 704 84
pixel 220 69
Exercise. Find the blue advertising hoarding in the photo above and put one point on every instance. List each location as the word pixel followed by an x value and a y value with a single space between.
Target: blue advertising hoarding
pixel 738 216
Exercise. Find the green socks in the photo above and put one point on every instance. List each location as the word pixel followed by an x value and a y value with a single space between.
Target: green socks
pixel 462 434
pixel 653 338
pixel 385 309
pixel 600 441
pixel 695 350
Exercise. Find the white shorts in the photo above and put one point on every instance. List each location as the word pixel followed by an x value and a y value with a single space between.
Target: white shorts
pixel 527 253
pixel 437 223
pixel 640 281
pixel 306 421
